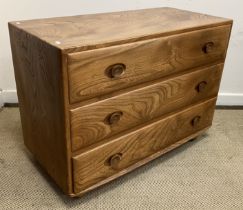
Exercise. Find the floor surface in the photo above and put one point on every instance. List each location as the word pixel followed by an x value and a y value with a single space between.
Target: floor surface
pixel 203 174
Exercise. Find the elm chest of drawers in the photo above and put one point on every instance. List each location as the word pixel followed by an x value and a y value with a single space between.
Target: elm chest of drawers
pixel 103 94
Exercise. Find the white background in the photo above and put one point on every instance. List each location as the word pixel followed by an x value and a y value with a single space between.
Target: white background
pixel 231 90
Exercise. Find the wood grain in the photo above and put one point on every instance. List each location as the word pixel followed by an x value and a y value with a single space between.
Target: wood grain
pixel 144 61
pixel 89 124
pixel 138 145
pixel 103 94
pixel 141 162
pixel 41 101
pixel 84 32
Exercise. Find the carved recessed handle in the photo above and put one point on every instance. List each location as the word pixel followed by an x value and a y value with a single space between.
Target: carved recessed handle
pixel 208 47
pixel 114 118
pixel 201 86
pixel 114 160
pixel 116 70
pixel 195 121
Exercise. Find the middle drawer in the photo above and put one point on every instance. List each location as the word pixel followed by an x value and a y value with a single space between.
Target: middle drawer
pixel 94 122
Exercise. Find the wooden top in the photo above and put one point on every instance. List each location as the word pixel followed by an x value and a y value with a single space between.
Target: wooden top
pixel 84 32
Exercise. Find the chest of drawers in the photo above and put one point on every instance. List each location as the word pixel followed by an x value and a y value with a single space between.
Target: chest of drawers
pixel 103 94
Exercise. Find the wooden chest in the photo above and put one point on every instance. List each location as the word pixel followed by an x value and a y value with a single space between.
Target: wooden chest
pixel 103 94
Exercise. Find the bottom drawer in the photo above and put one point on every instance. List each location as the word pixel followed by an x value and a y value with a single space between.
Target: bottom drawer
pixel 101 162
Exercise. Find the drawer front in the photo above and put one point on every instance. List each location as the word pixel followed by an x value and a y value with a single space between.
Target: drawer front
pixel 92 123
pixel 101 162
pixel 102 71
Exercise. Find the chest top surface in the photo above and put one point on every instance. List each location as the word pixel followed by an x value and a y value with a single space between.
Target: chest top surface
pixel 100 30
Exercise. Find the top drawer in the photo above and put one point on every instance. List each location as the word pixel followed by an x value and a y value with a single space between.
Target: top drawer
pixel 102 71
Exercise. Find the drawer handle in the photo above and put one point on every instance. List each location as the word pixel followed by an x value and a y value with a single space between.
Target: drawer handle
pixel 116 70
pixel 201 86
pixel 114 160
pixel 195 121
pixel 114 118
pixel 208 47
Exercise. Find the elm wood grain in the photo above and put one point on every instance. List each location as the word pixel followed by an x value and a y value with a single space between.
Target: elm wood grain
pixel 132 88
pixel 84 32
pixel 91 123
pixel 143 61
pixel 141 162
pixel 137 145
pixel 41 54
pixel 64 79
pixel 39 82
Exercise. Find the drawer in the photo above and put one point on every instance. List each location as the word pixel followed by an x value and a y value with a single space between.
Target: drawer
pixel 101 71
pixel 101 162
pixel 94 122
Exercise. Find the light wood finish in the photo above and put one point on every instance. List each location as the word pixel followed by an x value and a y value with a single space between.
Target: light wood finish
pixel 89 124
pixel 103 94
pixel 139 144
pixel 144 61
pixel 84 32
